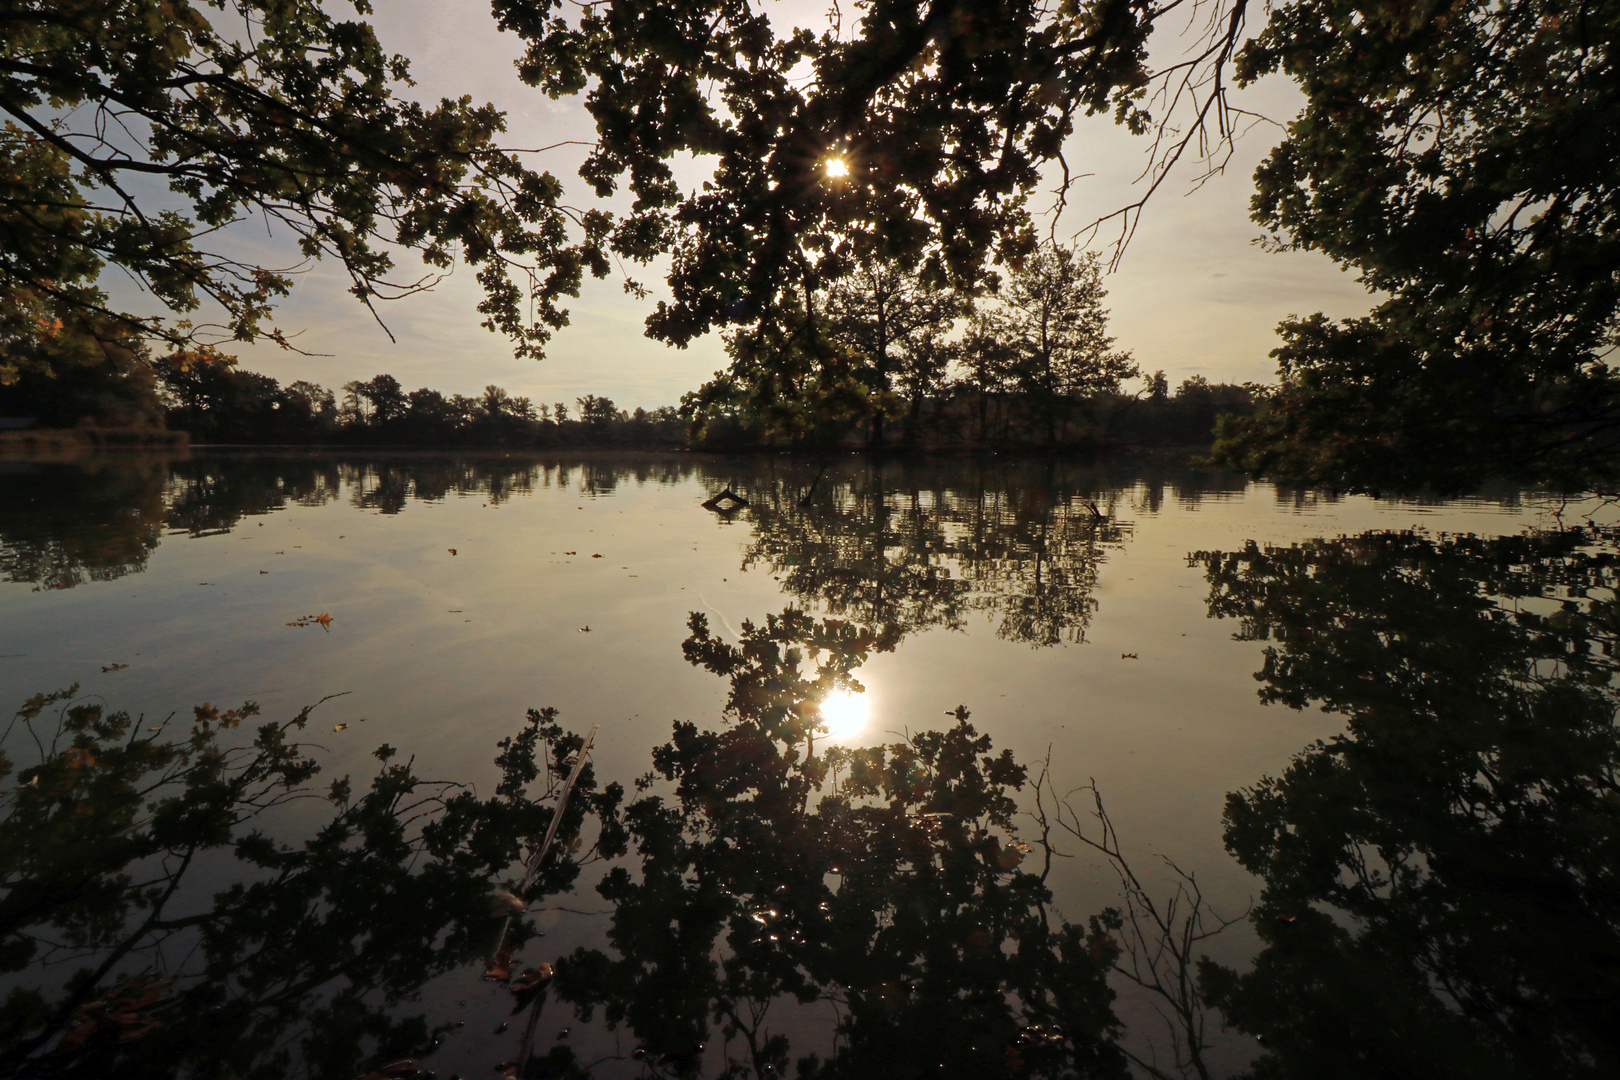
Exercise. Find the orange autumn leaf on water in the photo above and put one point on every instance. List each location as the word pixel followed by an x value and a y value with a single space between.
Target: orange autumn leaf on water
pixel 324 619
pixel 501 966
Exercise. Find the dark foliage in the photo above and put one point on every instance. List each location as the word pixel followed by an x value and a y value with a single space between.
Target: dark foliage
pixel 884 881
pixel 1461 159
pixel 136 131
pixel 146 957
pixel 1439 894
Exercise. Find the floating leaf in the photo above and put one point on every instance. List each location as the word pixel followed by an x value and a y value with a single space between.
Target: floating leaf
pixel 501 966
pixel 113 667
pixel 451 550
pixel 503 902
pixel 339 727
pixel 532 978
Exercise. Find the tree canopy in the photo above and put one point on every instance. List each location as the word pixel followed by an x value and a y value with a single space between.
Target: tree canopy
pixel 135 132
pixel 1460 158
pixel 1456 155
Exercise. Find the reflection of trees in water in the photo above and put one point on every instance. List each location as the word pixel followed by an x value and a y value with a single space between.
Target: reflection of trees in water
pixel 909 544
pixel 1442 881
pixel 98 519
pixel 165 928
pixel 1439 898
pixel 865 551
pixel 919 548
pixel 881 889
pixel 208 496
pixel 775 879
pixel 64 524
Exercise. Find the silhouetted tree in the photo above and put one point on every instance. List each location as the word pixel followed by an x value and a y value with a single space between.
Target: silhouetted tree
pixel 283 111
pixel 895 318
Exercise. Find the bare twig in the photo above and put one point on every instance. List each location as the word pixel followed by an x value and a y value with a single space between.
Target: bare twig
pixel 1159 940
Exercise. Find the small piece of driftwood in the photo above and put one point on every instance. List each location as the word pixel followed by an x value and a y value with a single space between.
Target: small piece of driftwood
pixel 725 502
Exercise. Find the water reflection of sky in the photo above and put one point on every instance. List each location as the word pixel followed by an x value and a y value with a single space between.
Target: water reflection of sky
pixel 440 649
pixel 463 591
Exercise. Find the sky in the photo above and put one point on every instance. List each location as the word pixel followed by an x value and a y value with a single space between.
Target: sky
pixel 1193 294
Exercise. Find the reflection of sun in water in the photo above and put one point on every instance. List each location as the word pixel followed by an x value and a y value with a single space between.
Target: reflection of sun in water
pixel 845 714
pixel 837 167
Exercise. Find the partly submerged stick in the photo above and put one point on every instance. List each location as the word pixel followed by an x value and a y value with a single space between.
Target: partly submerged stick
pixel 533 868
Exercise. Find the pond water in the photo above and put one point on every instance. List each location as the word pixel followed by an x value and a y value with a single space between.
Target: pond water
pixel 1370 742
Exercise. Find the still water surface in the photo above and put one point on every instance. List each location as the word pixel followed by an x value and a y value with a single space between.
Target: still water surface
pixel 1430 682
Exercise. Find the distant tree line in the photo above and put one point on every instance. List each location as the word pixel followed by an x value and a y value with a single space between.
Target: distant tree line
pixel 219 403
pixel 917 363
pixel 983 406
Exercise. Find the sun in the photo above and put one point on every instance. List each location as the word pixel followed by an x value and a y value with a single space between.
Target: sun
pixel 844 713
pixel 837 167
